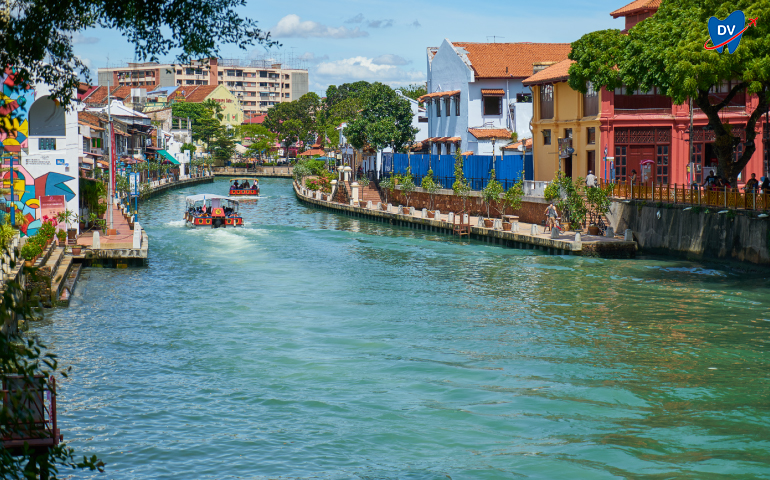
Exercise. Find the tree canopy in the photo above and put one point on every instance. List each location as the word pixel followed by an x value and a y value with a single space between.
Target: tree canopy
pixel 414 91
pixel 667 51
pixel 258 138
pixel 384 121
pixel 37 36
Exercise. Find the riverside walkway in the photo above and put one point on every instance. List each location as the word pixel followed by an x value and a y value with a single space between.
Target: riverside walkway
pixel 528 236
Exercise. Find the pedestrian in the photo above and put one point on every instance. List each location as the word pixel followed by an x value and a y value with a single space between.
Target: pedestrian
pixel 633 177
pixel 752 185
pixel 590 180
pixel 765 185
pixel 551 215
pixel 711 180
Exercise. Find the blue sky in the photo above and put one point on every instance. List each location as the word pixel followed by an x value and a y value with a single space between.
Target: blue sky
pixel 377 40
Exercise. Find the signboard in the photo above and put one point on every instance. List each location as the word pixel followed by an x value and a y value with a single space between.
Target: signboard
pixel 565 147
pixel 133 183
pixel 112 158
pixel 51 205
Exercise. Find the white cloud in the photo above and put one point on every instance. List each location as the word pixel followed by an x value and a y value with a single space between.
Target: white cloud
pixel 357 19
pixel 363 68
pixel 293 26
pixel 79 38
pixel 416 23
pixel 380 23
pixel 389 59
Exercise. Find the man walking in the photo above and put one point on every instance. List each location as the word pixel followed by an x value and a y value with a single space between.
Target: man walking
pixel 590 180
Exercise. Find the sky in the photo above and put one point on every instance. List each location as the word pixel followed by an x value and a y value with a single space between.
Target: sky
pixel 381 40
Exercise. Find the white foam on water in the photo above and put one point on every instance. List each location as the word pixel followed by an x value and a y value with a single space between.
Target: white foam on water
pixel 176 223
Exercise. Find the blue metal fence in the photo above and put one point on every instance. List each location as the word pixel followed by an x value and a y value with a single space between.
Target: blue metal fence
pixel 476 168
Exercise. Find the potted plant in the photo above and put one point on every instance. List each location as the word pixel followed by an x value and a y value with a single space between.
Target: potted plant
pixel 460 187
pixel 491 193
pixel 431 187
pixel 29 252
pixel 76 249
pixel 598 199
pixel 62 236
pixel 407 186
pixel 388 185
pixel 66 217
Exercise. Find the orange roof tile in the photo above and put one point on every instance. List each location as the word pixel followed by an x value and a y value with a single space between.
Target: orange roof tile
pixel 438 94
pixel 493 91
pixel 634 6
pixel 90 119
pixel 515 146
pixel 311 152
pixel 557 72
pixel 467 153
pixel 200 93
pixel 490 133
pixel 505 60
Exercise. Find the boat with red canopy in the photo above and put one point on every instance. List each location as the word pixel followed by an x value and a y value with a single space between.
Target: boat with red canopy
pixel 215 211
pixel 241 186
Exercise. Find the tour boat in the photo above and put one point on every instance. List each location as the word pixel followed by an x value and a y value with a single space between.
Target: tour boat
pixel 251 190
pixel 215 211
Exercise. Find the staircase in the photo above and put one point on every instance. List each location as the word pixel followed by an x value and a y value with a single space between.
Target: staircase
pixel 370 193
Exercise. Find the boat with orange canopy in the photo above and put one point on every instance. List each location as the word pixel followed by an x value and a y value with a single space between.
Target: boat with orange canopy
pixel 215 211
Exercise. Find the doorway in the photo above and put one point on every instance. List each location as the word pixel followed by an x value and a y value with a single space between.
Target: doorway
pixel 637 153
pixel 568 166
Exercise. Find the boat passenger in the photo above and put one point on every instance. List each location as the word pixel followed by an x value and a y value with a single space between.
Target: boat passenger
pixel 255 186
pixel 235 185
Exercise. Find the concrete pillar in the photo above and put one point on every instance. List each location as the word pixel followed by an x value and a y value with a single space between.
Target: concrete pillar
pixel 450 217
pixel 466 218
pixel 424 213
pixel 411 211
pixel 533 230
pixel 354 187
pixel 498 224
pixel 481 222
pixel 379 206
pixel 339 172
pixel 137 236
pixel 436 215
pixel 554 233
pixel 97 244
pixel 369 205
pixel 610 233
pixel 629 235
pixel 515 226
pixel 347 171
pixel 390 208
pixel 577 237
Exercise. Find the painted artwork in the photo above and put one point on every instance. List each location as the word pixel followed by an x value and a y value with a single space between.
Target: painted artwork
pixel 28 190
pixel 15 101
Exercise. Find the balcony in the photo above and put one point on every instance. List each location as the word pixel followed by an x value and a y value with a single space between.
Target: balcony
pixel 642 102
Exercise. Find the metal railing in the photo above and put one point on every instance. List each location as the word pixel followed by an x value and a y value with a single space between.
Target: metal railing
pixel 718 197
pixel 31 403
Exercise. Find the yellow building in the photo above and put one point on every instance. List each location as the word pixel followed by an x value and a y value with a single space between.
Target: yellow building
pixel 231 107
pixel 561 114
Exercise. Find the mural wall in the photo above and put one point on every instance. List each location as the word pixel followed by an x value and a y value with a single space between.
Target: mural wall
pixel 15 101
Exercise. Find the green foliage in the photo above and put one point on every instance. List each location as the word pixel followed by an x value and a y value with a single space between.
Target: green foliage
pixel 598 200
pixel 513 196
pixel 666 51
pixel 460 187
pixel 224 147
pixel 388 185
pixel 258 137
pixel 363 181
pixel 121 185
pixel 551 191
pixel 406 182
pixel 414 91
pixel 491 193
pixel 385 120
pixel 569 198
pixel 61 235
pixel 7 232
pixel 301 170
pixel 430 186
pixel 346 91
pixel 189 147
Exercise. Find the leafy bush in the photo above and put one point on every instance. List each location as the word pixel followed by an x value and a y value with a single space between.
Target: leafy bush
pixel 512 197
pixel 407 184
pixel 430 186
pixel 493 190
pixel 30 250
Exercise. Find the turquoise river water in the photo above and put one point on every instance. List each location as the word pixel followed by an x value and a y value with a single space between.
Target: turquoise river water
pixel 312 345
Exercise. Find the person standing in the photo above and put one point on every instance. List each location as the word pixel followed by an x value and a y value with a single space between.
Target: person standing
pixel 551 215
pixel 590 180
pixel 752 185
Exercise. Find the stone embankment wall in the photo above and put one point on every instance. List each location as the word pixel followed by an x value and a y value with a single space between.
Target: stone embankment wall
pixel 532 208
pixel 695 233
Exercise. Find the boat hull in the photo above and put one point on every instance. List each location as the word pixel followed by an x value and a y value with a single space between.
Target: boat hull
pixel 244 192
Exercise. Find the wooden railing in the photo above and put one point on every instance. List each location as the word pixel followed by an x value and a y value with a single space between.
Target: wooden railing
pixel 718 197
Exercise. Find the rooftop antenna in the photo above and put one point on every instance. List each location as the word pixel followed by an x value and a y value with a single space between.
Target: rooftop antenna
pixel 494 38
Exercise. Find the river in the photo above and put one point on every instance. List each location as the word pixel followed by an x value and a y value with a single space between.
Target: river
pixel 313 345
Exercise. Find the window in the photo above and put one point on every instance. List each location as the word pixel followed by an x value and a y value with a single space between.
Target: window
pixel 493 105
pixel 190 82
pixel 96 142
pixel 661 164
pixel 286 95
pixel 86 147
pixel 591 135
pixel 448 106
pixel 438 107
pixel 262 84
pixel 47 144
pixel 590 101
pixel 620 163
pixel 263 74
pixel 178 72
pixel 546 137
pixel 231 73
pixel 591 161
pixel 546 102
pixel 523 98
pixel 567 133
pixel 457 105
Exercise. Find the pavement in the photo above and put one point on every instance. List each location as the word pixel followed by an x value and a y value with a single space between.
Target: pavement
pixel 124 237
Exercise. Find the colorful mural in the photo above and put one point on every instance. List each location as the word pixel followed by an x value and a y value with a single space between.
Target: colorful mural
pixel 28 190
pixel 15 101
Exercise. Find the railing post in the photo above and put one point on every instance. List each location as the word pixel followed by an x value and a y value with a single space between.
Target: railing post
pixel 725 187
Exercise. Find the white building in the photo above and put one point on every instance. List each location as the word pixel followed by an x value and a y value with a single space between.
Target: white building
pixel 475 94
pixel 49 168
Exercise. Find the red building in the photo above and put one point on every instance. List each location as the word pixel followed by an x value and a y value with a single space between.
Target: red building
pixel 646 126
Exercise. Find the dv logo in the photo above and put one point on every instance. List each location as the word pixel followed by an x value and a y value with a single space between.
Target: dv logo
pixel 728 31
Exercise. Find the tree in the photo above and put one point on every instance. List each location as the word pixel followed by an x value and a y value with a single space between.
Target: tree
pixel 223 147
pixel 430 186
pixel 460 187
pixel 512 197
pixel 208 126
pixel 385 121
pixel 335 94
pixel 493 190
pixel 189 147
pixel 407 184
pixel 414 91
pixel 666 51
pixel 259 138
pixel 283 120
pixel 37 37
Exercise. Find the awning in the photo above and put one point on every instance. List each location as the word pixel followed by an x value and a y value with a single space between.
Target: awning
pixel 168 157
pixel 494 92
pixel 86 160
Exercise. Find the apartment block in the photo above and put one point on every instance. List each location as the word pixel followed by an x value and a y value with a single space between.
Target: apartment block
pixel 257 84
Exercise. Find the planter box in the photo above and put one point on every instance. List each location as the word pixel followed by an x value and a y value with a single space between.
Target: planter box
pixel 431 214
pixel 593 230
pixel 507 226
pixel 405 211
pixel 488 223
